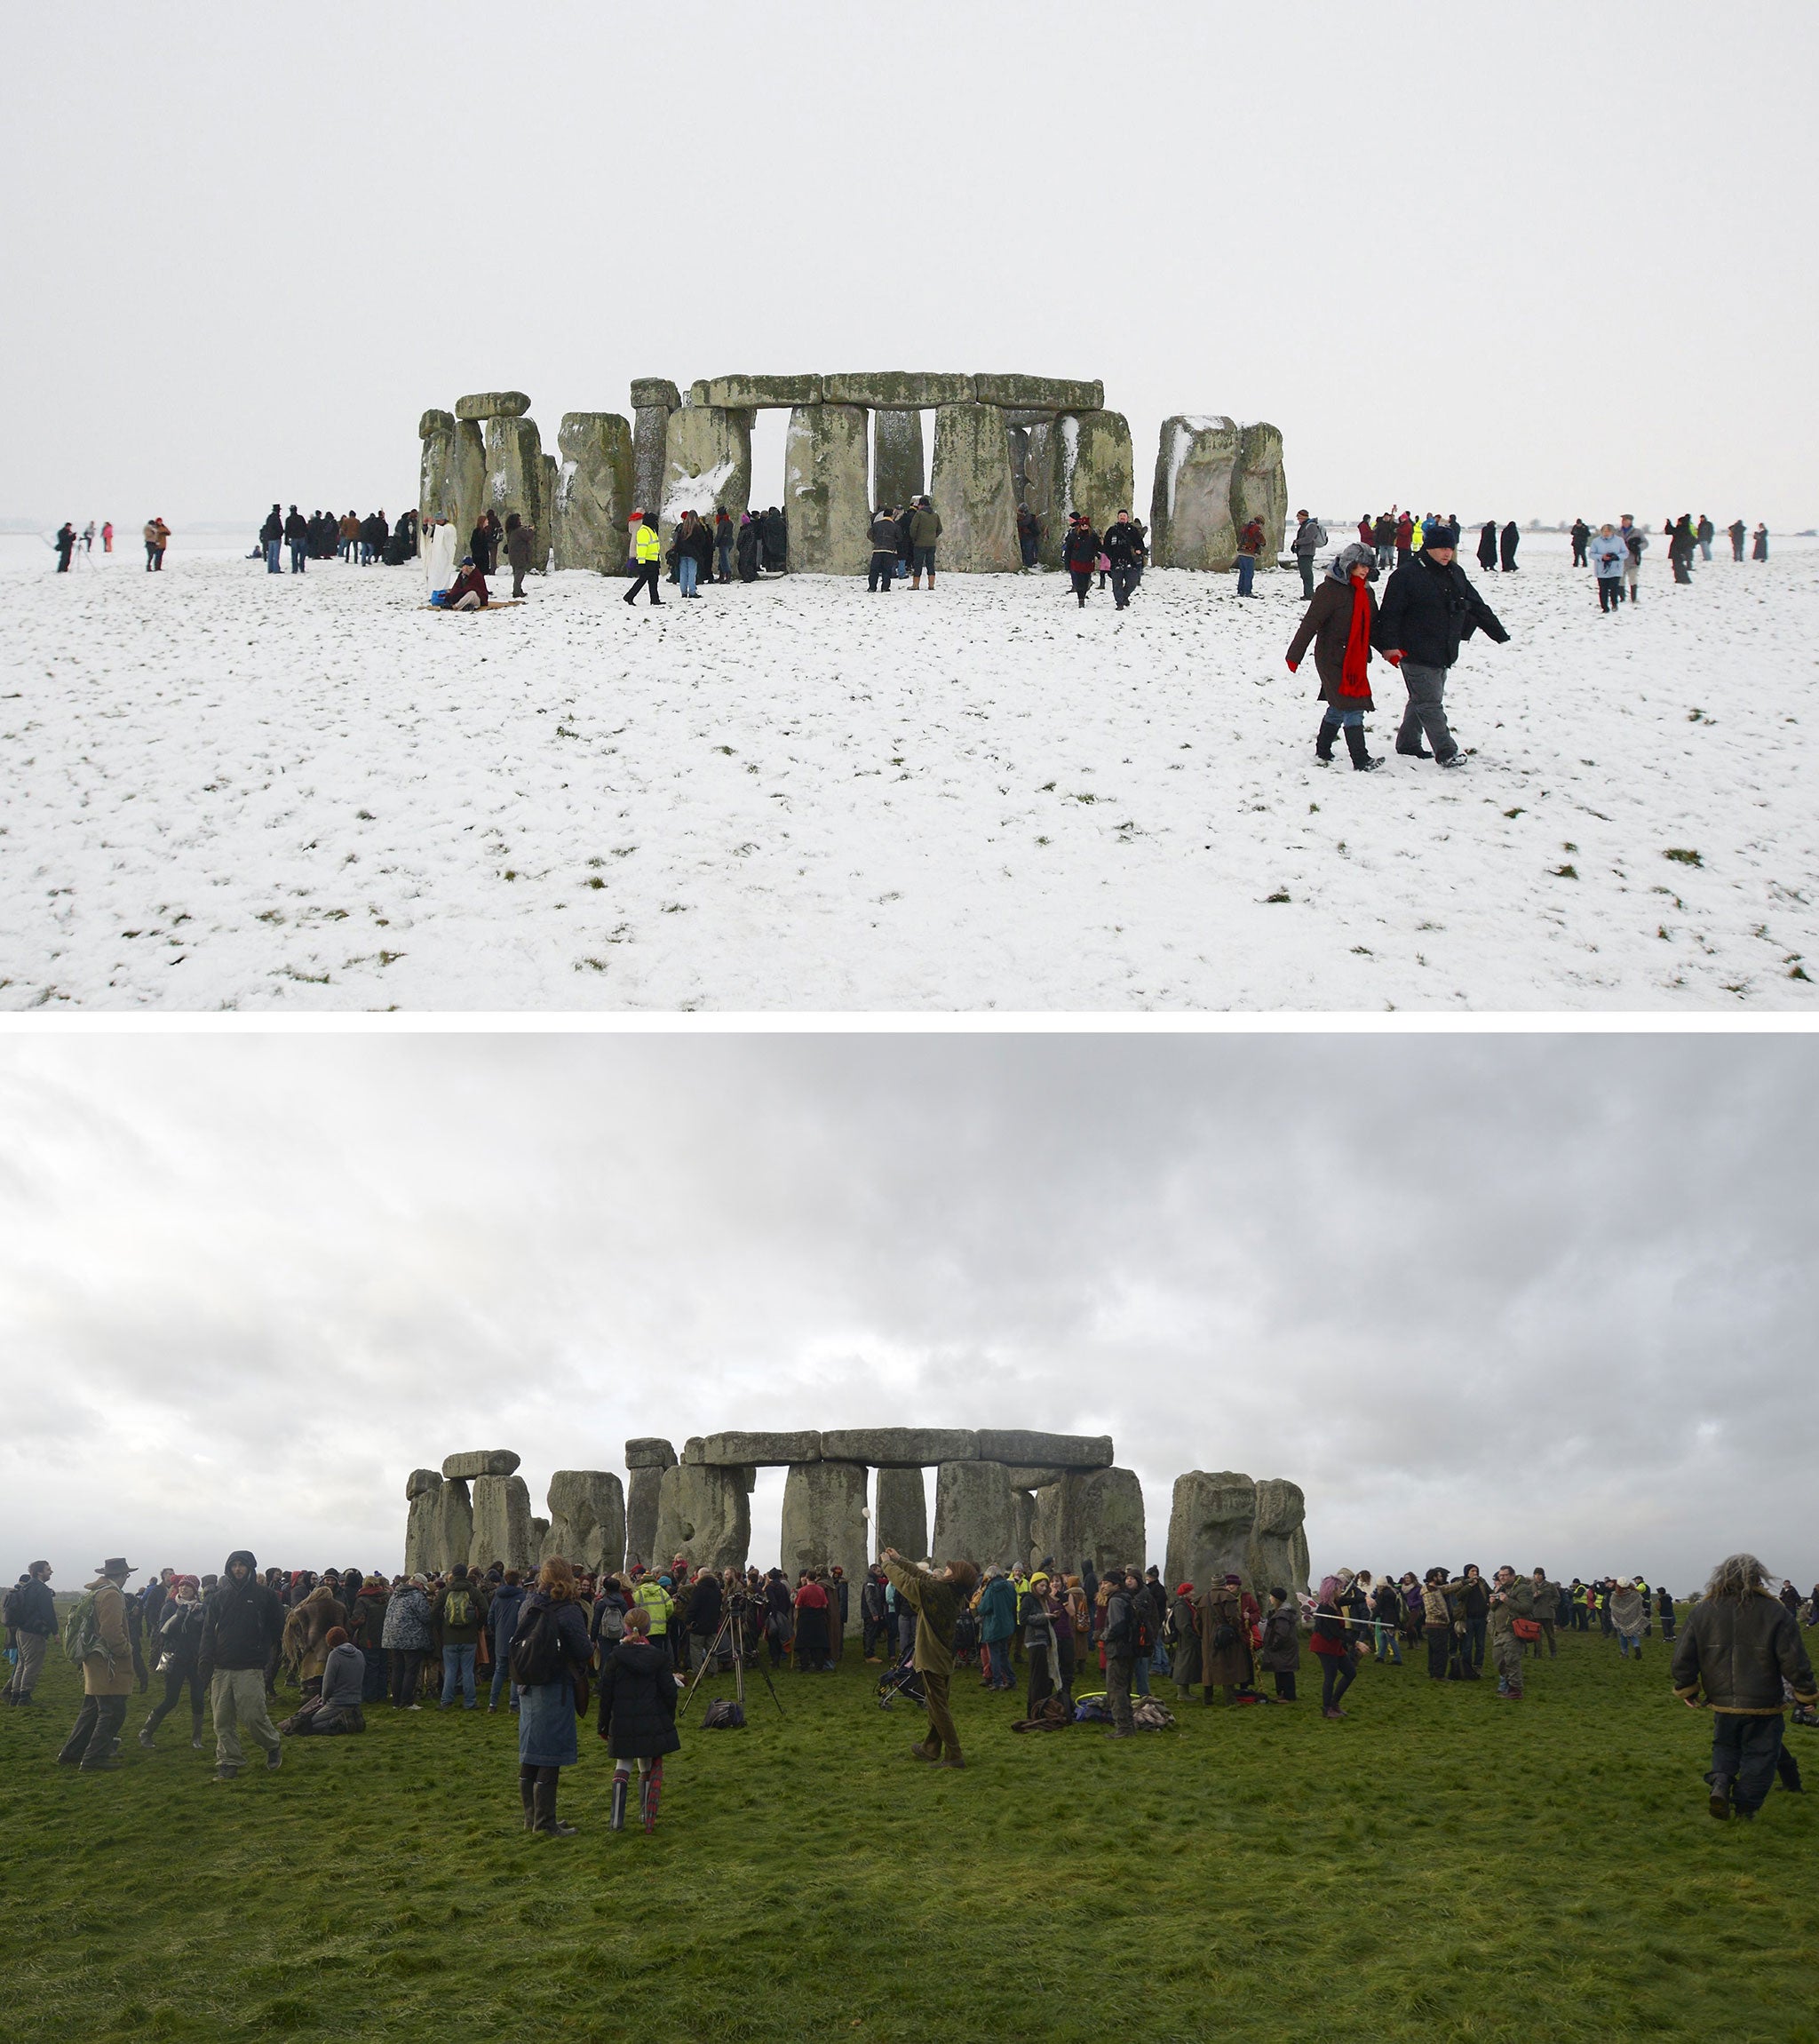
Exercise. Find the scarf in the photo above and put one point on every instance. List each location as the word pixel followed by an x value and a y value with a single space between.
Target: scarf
pixel 1354 680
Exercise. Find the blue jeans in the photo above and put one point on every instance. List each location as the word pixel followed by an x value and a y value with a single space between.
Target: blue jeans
pixel 1385 1635
pixel 296 552
pixel 1247 568
pixel 1624 1642
pixel 1140 1678
pixel 502 1676
pixel 457 1668
pixel 998 1654
pixel 1335 717
pixel 687 570
pixel 272 565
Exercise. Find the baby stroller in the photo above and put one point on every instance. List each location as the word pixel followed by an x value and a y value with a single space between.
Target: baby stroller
pixel 966 1641
pixel 902 1681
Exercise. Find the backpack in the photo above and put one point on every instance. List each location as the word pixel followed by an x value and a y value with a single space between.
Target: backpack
pixel 13 1610
pixel 723 1715
pixel 457 1609
pixel 82 1636
pixel 534 1656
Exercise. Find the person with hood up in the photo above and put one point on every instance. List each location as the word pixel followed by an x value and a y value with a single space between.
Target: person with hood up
pixel 1428 611
pixel 520 540
pixel 1486 546
pixel 1681 545
pixel 1339 624
pixel 98 1638
pixel 1281 1651
pixel 242 1626
pixel 409 1636
pixel 178 1657
pixel 502 1623
pixel 745 547
pixel 551 1654
pixel 636 1718
pixel 1758 547
pixel 1510 539
pixel 1581 537
pixel 1628 1610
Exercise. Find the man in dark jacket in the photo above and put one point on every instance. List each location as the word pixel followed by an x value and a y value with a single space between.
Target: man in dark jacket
pixel 702 1616
pixel 296 538
pixel 1125 549
pixel 459 1614
pixel 502 1620
pixel 272 538
pixel 1122 1621
pixel 1740 1645
pixel 1428 610
pixel 883 570
pixel 1582 536
pixel 31 1618
pixel 241 1629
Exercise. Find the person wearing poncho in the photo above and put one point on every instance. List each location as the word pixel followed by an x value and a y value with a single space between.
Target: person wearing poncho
pixel 1337 622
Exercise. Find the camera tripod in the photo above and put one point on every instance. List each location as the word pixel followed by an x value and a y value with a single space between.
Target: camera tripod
pixel 732 1631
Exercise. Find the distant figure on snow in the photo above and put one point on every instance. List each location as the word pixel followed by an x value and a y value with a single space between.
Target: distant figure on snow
pixel 1486 546
pixel 1512 539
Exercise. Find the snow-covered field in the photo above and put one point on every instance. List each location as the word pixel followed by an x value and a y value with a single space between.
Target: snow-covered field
pixel 224 790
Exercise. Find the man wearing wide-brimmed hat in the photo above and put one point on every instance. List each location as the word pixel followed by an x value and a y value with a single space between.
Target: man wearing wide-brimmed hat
pixel 101 1643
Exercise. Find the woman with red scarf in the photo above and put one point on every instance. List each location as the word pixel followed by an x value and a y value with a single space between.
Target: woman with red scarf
pixel 1339 622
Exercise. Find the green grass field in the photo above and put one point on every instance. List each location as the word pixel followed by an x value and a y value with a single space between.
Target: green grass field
pixel 1439 1865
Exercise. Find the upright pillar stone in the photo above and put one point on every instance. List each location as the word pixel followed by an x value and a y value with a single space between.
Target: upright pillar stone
pixel 1093 1515
pixel 1259 489
pixel 973 1518
pixel 1211 1526
pixel 547 517
pixel 514 470
pixel 587 1519
pixel 653 399
pixel 594 491
pixel 454 1535
pixel 824 1524
pixel 896 465
pixel 502 1530
pixel 1190 505
pixel 707 461
pixel 902 1513
pixel 646 1459
pixel 824 490
pixel 1102 481
pixel 452 479
pixel 1023 1518
pixel 424 1528
pixel 973 492
pixel 1278 1554
pixel 702 1513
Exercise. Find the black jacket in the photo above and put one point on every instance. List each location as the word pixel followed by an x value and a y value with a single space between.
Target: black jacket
pixel 36 1606
pixel 1124 546
pixel 1121 1624
pixel 1739 1653
pixel 1080 549
pixel 296 527
pixel 638 1702
pixel 242 1622
pixel 181 1634
pixel 273 527
pixel 704 1606
pixel 1427 611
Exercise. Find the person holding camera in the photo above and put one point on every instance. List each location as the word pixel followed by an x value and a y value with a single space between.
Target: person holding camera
pixel 937 1602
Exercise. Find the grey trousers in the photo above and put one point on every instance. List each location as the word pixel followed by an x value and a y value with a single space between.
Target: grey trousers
pixel 1117 1692
pixel 31 1659
pixel 238 1697
pixel 1426 710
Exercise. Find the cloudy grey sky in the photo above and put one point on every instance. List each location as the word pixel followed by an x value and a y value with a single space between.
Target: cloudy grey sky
pixel 1523 260
pixel 1489 1297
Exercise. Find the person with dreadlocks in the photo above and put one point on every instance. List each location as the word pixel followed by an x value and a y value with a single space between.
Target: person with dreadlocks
pixel 1339 622
pixel 1739 1646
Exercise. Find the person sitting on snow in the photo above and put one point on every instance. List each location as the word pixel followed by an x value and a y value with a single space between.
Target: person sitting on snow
pixel 468 591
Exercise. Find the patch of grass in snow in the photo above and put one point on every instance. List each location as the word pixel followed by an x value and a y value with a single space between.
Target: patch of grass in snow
pixel 1685 857
pixel 1564 872
pixel 1281 894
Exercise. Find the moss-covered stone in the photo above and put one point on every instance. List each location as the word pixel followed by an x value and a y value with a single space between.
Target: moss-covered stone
pixel 707 461
pixel 1259 487
pixel 1039 392
pixel 898 473
pixel 824 490
pixel 453 479
pixel 434 422
pixel 758 393
pixel 594 491
pixel 515 472
pixel 493 404
pixel 972 491
pixel 898 389
pixel 1190 505
pixel 655 390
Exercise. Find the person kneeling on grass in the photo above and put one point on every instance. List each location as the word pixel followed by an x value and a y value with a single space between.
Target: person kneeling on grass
pixel 1339 622
pixel 638 1716
pixel 467 592
pixel 937 1602
pixel 337 1709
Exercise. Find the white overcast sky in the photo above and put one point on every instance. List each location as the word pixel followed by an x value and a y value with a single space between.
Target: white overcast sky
pixel 1527 1298
pixel 1525 261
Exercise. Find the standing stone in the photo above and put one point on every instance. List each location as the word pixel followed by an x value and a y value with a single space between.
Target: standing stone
pixel 1023 1518
pixel 707 461
pixel 502 1525
pixel 647 1459
pixel 974 1518
pixel 1259 489
pixel 824 490
pixel 1092 1513
pixel 587 1519
pixel 824 1524
pixel 702 1512
pixel 973 492
pixel 1278 1555
pixel 1190 507
pixel 902 1513
pixel 1045 488
pixel 594 491
pixel 514 470
pixel 454 1532
pixel 547 517
pixel 653 400
pixel 423 1529
pixel 1210 1527
pixel 896 464
pixel 453 479
pixel 1102 478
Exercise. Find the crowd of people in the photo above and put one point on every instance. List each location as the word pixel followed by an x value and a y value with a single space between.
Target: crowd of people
pixel 360 542
pixel 70 545
pixel 347 1641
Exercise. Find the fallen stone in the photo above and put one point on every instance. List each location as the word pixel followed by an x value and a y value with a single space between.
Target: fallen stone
pixel 824 1524
pixel 648 1451
pixel 594 491
pixel 1190 505
pixel 643 1501
pixel 480 1462
pixel 973 494
pixel 760 393
pixel 654 391
pixel 1278 1551
pixel 493 404
pixel 702 1513
pixel 902 1510
pixel 897 469
pixel 707 461
pixel 763 1450
pixel 897 389
pixel 420 1480
pixel 825 490
pixel 502 1527
pixel 434 422
pixel 1259 489
pixel 973 1518
pixel 1211 1523
pixel 1038 393
pixel 1045 1451
pixel 587 1519
pixel 902 1447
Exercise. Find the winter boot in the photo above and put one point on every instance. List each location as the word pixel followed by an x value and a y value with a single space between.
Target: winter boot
pixel 1417 751
pixel 1323 744
pixel 195 1731
pixel 1719 1803
pixel 527 1782
pixel 542 1801
pixel 620 1783
pixel 147 1736
pixel 650 1792
pixel 1361 762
